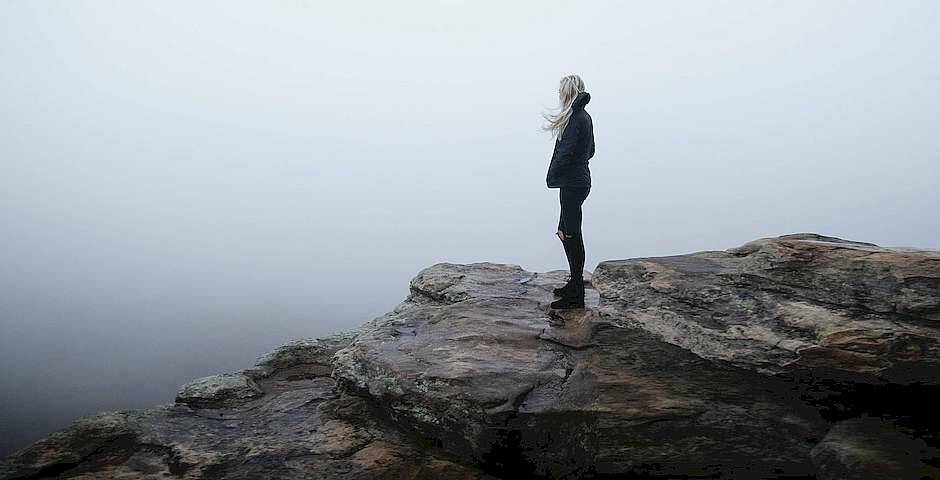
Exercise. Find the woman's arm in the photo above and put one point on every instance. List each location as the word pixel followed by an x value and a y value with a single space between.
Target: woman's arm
pixel 591 150
pixel 564 148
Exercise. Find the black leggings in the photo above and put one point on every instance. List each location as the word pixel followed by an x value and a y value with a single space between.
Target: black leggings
pixel 569 220
pixel 569 223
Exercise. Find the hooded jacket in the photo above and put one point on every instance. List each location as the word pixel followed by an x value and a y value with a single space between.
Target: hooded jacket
pixel 573 148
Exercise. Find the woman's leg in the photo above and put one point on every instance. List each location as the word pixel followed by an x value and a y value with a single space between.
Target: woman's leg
pixel 574 237
pixel 564 197
pixel 570 224
pixel 580 246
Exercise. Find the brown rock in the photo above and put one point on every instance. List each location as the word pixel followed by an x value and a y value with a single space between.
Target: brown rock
pixel 475 361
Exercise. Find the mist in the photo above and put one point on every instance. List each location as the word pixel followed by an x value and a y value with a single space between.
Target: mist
pixel 188 185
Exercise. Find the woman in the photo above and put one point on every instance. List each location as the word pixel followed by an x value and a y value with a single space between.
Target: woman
pixel 574 146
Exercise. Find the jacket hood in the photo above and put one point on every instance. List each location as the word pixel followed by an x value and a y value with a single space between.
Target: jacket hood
pixel 581 100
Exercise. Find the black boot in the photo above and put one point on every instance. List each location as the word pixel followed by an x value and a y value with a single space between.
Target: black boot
pixel 574 298
pixel 574 250
pixel 567 289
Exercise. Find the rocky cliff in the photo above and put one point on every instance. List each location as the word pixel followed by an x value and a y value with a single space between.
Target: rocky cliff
pixel 799 356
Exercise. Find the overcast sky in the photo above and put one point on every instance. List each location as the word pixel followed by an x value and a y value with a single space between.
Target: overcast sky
pixel 187 184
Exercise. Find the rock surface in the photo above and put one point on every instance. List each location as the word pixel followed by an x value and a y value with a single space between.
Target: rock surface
pixel 799 356
pixel 476 361
pixel 299 427
pixel 228 389
pixel 868 448
pixel 793 302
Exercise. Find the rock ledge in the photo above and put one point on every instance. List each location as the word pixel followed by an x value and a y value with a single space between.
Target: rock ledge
pixel 801 356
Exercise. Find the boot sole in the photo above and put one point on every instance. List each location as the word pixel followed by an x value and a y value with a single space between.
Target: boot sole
pixel 569 306
pixel 565 303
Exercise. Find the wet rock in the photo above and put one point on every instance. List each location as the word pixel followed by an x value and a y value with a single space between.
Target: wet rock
pixel 869 448
pixel 227 389
pixel 475 361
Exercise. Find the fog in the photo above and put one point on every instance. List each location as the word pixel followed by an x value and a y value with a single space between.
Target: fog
pixel 186 185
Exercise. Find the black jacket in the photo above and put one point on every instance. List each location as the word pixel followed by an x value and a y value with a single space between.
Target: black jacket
pixel 573 149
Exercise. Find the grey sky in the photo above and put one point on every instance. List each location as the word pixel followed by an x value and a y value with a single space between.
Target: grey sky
pixel 186 184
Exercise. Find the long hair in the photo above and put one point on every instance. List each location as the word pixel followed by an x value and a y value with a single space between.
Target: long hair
pixel 568 89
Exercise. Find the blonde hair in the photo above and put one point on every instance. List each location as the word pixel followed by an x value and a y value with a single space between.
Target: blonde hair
pixel 568 89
